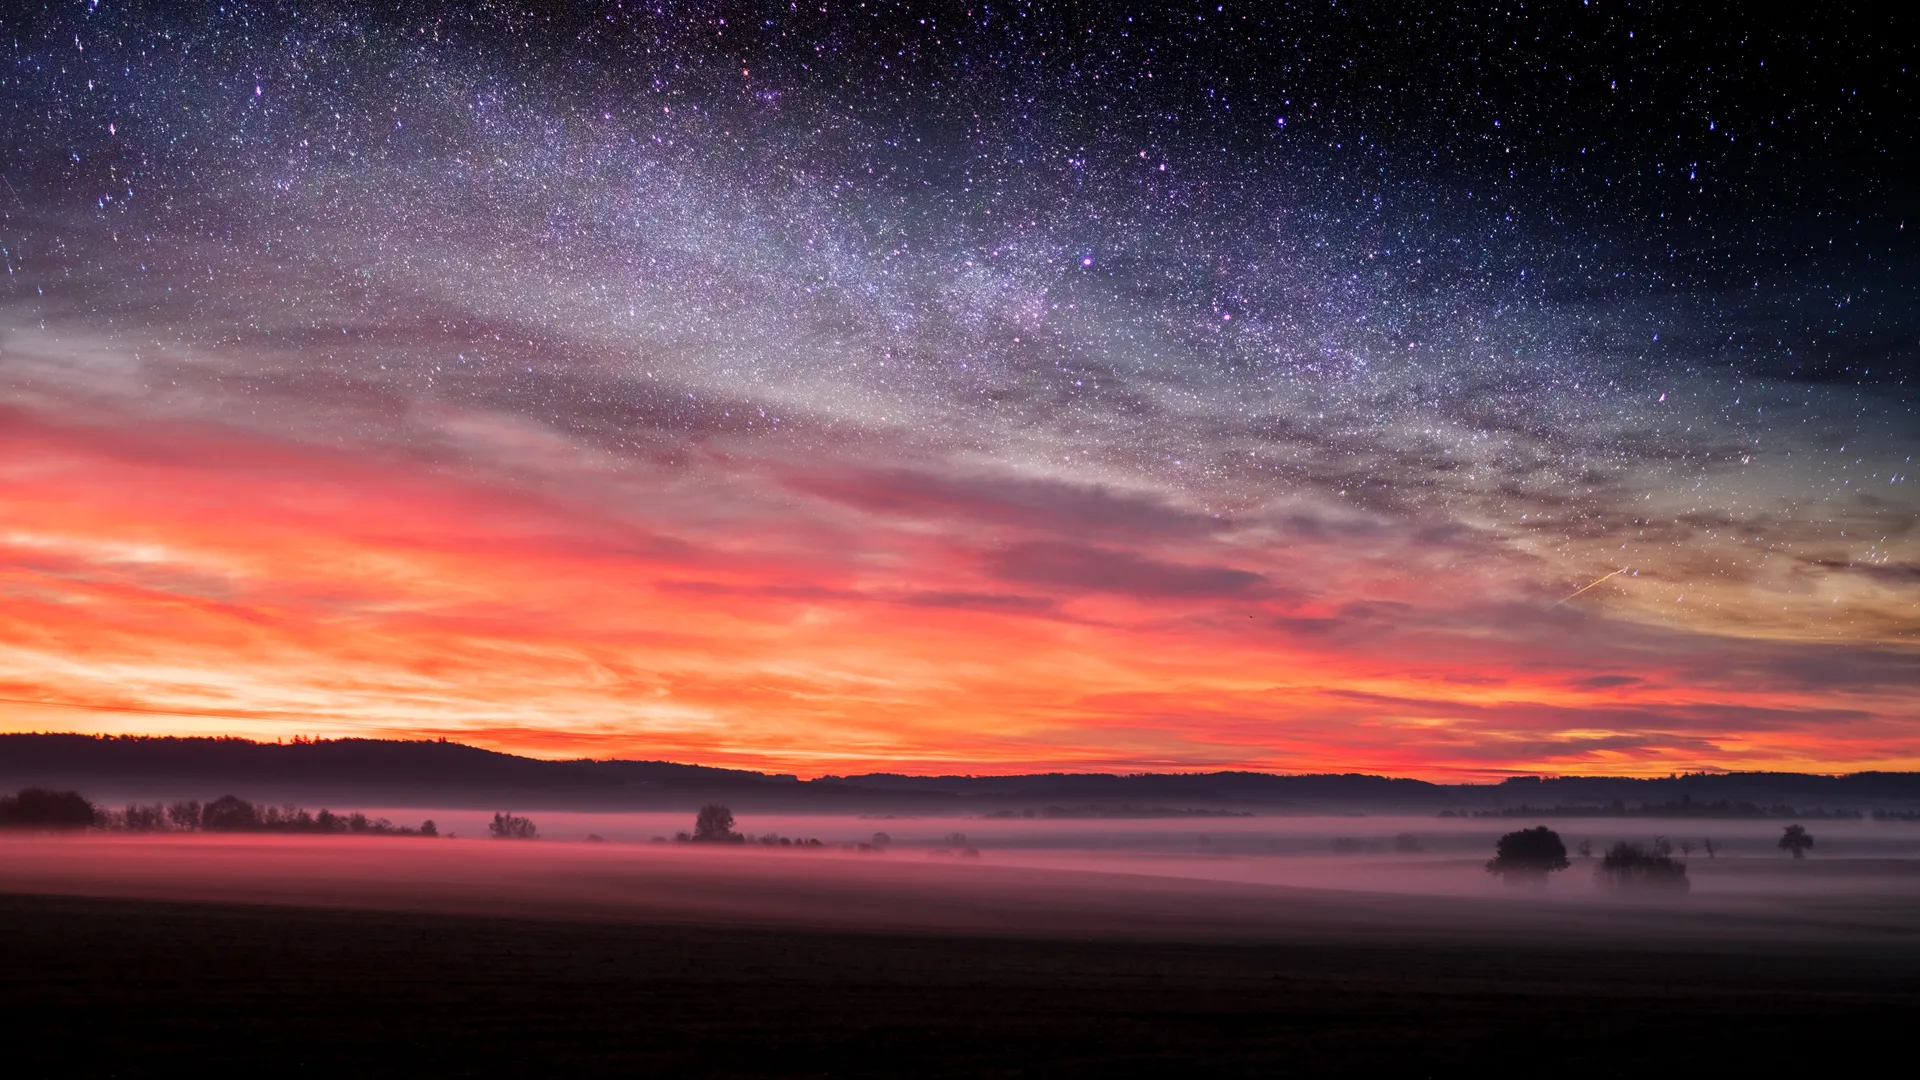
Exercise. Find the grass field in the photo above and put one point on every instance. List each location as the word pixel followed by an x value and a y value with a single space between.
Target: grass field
pixel 145 988
pixel 137 958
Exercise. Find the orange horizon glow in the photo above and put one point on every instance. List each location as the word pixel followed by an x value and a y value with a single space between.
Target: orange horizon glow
pixel 763 613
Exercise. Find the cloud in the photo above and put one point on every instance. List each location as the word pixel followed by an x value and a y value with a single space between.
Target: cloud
pixel 1046 506
pixel 1070 567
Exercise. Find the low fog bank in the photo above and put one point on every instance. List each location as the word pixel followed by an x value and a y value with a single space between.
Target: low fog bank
pixel 1027 878
pixel 1360 837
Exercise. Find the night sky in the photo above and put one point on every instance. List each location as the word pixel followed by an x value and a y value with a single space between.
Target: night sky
pixel 1446 391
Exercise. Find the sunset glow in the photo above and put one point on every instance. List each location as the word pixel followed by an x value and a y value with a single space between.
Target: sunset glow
pixel 197 578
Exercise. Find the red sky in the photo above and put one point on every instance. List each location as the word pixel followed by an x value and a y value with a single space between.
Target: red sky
pixel 194 577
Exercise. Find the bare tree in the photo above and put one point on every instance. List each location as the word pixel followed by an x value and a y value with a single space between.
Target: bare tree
pixel 1713 849
pixel 184 815
pixel 509 827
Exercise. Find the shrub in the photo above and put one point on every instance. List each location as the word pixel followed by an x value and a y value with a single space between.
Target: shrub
pixel 1631 867
pixel 509 827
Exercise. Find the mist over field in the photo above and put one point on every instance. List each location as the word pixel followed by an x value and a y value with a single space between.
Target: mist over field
pixel 1380 879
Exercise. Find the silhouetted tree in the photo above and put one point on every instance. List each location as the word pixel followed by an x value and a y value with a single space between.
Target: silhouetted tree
pixel 1713 849
pixel 1796 841
pixel 184 815
pixel 42 809
pixel 1629 866
pixel 229 813
pixel 509 827
pixel 881 839
pixel 1528 855
pixel 137 818
pixel 428 828
pixel 714 825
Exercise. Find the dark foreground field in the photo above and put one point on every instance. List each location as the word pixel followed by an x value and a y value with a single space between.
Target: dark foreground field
pixel 142 987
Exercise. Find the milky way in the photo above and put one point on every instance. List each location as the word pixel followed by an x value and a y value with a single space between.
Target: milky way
pixel 966 386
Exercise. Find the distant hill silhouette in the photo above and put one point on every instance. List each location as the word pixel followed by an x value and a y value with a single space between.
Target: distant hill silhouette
pixel 440 771
pixel 1757 787
pixel 395 767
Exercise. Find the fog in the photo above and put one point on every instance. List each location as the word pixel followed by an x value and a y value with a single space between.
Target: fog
pixel 1311 879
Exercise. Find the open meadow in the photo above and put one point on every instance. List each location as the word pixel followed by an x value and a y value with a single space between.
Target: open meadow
pixel 1053 951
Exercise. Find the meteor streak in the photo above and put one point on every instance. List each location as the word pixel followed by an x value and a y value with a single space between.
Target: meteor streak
pixel 1587 586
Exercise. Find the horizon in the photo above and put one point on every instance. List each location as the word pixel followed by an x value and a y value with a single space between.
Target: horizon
pixel 298 740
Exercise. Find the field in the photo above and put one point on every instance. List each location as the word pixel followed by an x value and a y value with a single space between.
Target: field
pixel 135 956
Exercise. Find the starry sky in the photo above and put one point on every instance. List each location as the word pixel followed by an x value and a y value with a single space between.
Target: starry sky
pixel 1447 391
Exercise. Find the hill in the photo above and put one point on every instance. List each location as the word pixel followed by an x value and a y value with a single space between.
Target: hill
pixel 399 772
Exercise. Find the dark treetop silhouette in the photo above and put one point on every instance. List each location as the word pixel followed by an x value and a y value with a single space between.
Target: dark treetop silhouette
pixel 39 808
pixel 371 768
pixel 43 809
pixel 714 825
pixel 1796 840
pixel 1528 855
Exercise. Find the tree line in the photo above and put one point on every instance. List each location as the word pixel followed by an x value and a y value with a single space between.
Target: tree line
pixel 1681 808
pixel 40 808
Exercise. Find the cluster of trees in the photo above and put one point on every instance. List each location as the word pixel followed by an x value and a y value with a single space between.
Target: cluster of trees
pixel 39 808
pixel 43 809
pixel 1678 808
pixel 1529 855
pixel 230 813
